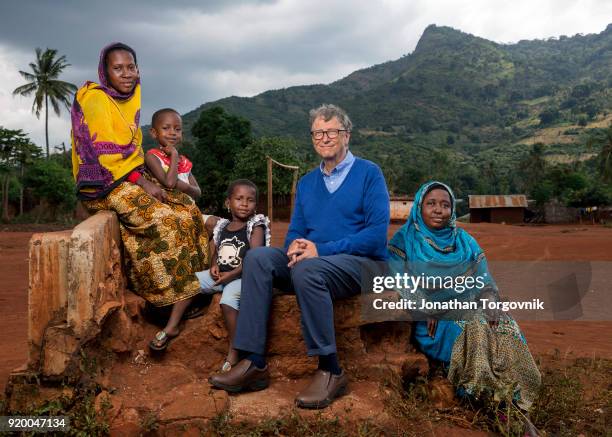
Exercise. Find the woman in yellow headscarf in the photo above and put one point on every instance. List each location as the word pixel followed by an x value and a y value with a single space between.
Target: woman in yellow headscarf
pixel 164 238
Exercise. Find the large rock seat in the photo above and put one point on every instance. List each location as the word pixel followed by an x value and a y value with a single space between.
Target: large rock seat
pixel 87 328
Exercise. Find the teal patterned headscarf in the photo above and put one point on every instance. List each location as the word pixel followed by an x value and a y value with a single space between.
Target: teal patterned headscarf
pixel 449 252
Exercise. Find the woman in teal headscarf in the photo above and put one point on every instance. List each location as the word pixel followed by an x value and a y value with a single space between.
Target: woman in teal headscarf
pixel 484 354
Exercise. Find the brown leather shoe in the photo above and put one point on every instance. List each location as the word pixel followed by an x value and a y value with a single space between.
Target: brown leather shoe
pixel 322 390
pixel 242 377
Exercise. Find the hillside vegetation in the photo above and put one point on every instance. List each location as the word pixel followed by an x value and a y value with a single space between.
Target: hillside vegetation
pixel 459 107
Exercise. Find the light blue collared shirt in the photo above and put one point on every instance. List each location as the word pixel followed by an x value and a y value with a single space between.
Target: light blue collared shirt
pixel 338 174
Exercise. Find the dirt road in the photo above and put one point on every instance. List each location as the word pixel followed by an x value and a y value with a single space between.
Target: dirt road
pixel 13 301
pixel 501 242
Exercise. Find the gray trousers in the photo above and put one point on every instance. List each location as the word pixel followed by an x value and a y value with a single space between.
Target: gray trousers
pixel 317 282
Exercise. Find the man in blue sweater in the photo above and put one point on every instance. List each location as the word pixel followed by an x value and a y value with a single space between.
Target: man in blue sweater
pixel 339 223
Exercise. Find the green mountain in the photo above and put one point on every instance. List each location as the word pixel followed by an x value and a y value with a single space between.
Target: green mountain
pixel 472 98
pixel 452 81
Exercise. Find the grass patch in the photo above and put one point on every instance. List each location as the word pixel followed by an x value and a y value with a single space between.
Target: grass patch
pixel 77 400
pixel 537 101
pixel 85 421
pixel 294 424
pixel 149 423
pixel 408 399
pixel 411 401
pixel 575 398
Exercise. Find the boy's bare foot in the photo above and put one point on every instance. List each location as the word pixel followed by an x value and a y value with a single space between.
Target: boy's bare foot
pixel 232 356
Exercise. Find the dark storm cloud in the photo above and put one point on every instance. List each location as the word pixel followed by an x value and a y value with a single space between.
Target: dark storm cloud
pixel 192 52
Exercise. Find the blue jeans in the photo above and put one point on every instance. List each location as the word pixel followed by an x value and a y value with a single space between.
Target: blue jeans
pixel 231 290
pixel 317 282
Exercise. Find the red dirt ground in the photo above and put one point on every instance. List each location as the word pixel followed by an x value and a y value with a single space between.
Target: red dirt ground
pixel 501 242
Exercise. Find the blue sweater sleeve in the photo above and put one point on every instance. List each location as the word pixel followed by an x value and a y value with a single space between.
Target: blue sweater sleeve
pixel 297 226
pixel 371 241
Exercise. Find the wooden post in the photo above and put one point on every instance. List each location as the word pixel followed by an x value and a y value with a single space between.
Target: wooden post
pixel 293 188
pixel 270 190
pixel 295 170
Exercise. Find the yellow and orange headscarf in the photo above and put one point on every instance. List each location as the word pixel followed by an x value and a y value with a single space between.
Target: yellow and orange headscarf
pixel 106 135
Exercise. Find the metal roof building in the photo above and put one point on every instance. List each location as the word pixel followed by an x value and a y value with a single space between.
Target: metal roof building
pixel 400 207
pixel 508 208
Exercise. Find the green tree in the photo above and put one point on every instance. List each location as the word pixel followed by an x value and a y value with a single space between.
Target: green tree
pixel 251 163
pixel 25 156
pixel 532 168
pixel 220 136
pixel 16 153
pixel 407 181
pixel 602 139
pixel 52 183
pixel 569 182
pixel 43 82
pixel 542 192
pixel 440 165
pixel 548 116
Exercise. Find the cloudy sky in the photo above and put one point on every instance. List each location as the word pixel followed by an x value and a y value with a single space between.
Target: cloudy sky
pixel 191 52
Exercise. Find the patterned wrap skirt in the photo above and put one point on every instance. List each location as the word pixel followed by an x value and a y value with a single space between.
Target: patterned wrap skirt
pixel 484 362
pixel 495 363
pixel 164 244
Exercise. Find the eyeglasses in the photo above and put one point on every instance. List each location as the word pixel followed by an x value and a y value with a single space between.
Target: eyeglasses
pixel 331 133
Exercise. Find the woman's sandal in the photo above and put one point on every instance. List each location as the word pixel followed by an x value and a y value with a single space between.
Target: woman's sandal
pixel 161 341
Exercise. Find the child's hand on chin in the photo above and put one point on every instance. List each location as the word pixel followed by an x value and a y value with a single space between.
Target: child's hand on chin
pixel 168 150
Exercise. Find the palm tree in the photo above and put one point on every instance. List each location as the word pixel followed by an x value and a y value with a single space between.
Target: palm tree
pixel 44 84
pixel 604 157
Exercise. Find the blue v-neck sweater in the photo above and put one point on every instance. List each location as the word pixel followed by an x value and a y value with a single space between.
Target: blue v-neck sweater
pixel 351 220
